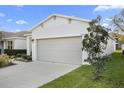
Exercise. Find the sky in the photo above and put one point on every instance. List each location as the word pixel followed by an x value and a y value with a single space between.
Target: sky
pixel 15 18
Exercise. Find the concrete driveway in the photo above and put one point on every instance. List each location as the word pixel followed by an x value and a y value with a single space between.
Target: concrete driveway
pixel 33 74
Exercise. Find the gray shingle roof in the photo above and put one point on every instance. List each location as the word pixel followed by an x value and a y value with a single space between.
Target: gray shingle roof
pixel 14 34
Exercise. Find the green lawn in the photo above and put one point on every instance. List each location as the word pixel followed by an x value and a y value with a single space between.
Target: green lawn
pixel 82 76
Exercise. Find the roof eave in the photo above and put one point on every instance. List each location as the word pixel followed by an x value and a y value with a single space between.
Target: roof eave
pixel 14 38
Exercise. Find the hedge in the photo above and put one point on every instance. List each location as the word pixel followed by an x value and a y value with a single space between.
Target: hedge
pixel 14 52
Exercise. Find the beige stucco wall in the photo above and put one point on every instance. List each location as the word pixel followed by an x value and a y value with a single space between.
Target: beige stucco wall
pixel 59 27
pixel 122 46
pixel 20 44
pixel 110 47
pixel 17 43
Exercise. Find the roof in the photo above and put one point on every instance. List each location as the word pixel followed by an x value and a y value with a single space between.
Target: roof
pixel 59 15
pixel 14 34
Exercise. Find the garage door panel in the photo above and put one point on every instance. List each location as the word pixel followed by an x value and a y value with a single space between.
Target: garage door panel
pixel 62 50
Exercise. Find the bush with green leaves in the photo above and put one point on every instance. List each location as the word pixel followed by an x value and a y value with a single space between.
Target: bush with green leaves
pixel 27 57
pixel 23 57
pixel 19 55
pixel 14 52
pixel 94 43
pixel 5 60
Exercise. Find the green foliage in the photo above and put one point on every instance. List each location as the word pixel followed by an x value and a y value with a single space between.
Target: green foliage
pixel 19 55
pixel 14 52
pixel 4 60
pixel 23 57
pixel 27 57
pixel 94 43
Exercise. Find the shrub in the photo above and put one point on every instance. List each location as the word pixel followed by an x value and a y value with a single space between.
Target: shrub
pixel 94 43
pixel 19 55
pixel 23 57
pixel 4 60
pixel 27 57
pixel 14 52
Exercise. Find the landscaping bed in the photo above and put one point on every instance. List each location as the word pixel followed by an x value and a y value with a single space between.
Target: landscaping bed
pixel 5 61
pixel 18 55
pixel 113 76
pixel 10 64
pixel 23 58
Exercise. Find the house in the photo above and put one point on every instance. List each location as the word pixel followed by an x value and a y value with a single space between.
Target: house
pixel 122 41
pixel 122 47
pixel 119 38
pixel 11 40
pixel 58 38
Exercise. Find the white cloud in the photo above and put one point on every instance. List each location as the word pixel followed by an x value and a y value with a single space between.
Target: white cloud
pixel 2 15
pixel 105 24
pixel 21 22
pixel 17 30
pixel 107 7
pixel 9 20
pixel 20 6
pixel 107 20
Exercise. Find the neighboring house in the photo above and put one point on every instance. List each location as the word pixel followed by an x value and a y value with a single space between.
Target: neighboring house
pixel 115 35
pixel 58 38
pixel 119 37
pixel 122 46
pixel 11 40
pixel 122 41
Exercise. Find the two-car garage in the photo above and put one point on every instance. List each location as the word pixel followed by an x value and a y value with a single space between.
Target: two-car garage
pixel 62 50
pixel 58 39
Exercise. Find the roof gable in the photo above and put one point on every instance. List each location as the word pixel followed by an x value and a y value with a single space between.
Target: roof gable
pixel 61 16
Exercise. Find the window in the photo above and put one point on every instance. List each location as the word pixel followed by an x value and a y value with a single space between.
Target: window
pixel 10 45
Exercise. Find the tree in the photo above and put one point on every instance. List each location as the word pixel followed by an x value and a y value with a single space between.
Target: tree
pixel 119 36
pixel 94 43
pixel 121 39
pixel 118 21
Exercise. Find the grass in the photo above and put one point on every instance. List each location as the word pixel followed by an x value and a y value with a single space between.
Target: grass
pixel 82 76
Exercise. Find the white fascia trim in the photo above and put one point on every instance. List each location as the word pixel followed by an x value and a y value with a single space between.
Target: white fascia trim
pixel 27 34
pixel 66 36
pixel 15 38
pixel 59 15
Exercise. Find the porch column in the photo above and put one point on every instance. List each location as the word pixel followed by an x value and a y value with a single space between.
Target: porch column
pixel 4 44
pixel 34 48
pixel 28 45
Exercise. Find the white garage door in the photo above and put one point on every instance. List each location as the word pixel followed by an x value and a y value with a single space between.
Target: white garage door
pixel 62 50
